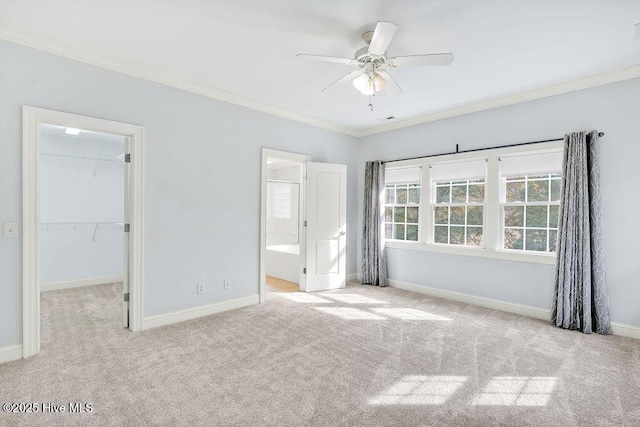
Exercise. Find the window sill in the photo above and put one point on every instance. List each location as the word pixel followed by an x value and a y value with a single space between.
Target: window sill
pixel 549 259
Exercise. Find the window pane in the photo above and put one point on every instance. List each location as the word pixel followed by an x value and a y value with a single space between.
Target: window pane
pixel 553 238
pixel 536 216
pixel 388 214
pixel 388 231
pixel 398 231
pixel 553 216
pixel 476 193
pixel 442 194
pixel 459 194
pixel 390 198
pixel 555 190
pixel 474 236
pixel 414 195
pixel 401 196
pixel 514 216
pixel 442 215
pixel 456 236
pixel 412 232
pixel 536 240
pixel 515 192
pixel 474 215
pixel 441 234
pixel 538 191
pixel 457 215
pixel 512 238
pixel 412 215
pixel 398 214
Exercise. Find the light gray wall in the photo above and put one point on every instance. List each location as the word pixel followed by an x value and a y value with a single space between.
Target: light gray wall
pixel 613 109
pixel 75 189
pixel 202 177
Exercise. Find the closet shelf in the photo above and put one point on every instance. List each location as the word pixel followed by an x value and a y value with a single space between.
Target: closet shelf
pixel 116 160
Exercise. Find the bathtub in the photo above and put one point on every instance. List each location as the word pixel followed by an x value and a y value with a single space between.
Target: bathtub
pixel 283 262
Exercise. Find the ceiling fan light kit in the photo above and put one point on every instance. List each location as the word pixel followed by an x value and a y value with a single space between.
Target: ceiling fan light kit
pixel 372 61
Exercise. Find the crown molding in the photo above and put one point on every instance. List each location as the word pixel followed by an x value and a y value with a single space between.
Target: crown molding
pixel 56 47
pixel 595 80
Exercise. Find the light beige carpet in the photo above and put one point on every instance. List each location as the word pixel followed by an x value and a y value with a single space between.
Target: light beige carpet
pixel 357 356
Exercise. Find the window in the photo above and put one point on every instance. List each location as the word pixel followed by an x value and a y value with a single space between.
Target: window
pixel 530 212
pixel 458 212
pixel 402 204
pixel 500 203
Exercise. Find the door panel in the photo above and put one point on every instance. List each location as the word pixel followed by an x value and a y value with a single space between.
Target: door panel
pixel 326 208
pixel 127 204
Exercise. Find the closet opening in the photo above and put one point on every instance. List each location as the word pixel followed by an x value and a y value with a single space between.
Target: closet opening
pixel 83 243
pixel 284 224
pixel 82 229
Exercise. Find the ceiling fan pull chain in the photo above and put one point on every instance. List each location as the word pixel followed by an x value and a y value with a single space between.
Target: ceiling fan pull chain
pixel 370 103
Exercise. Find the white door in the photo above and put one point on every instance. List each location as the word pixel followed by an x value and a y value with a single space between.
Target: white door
pixel 326 215
pixel 127 204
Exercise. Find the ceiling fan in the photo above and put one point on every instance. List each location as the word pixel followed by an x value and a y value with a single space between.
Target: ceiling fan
pixel 372 61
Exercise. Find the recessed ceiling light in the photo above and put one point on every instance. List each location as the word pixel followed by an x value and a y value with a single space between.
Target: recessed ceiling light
pixel 72 131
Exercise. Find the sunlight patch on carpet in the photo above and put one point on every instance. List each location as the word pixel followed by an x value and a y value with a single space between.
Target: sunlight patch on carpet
pixel 350 313
pixel 420 390
pixel 409 314
pixel 302 298
pixel 354 299
pixel 516 391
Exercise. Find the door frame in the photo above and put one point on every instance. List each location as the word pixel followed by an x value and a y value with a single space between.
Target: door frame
pixel 301 158
pixel 32 117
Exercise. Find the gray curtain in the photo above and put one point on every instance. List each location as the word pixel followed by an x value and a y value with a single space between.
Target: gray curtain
pixel 580 299
pixel 374 263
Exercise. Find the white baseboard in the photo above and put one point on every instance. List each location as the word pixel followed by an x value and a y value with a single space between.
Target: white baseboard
pixel 351 277
pixel 80 283
pixel 10 353
pixel 619 329
pixel 193 313
pixel 624 330
pixel 525 310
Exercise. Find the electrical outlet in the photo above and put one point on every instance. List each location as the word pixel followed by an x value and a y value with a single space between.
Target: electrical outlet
pixel 200 288
pixel 227 284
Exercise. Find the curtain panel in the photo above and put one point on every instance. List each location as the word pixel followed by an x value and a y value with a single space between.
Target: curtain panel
pixel 374 263
pixel 580 299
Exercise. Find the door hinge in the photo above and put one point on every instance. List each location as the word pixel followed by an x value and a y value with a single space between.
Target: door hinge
pixel 304 223
pixel 127 158
pixel 304 270
pixel 127 228
pixel 126 297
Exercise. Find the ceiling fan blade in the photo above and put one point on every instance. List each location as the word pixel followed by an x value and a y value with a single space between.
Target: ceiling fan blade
pixel 391 87
pixel 421 60
pixel 382 36
pixel 346 78
pixel 322 58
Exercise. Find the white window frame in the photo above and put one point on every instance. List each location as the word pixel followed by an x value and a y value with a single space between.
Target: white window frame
pixel 492 207
pixel 504 203
pixel 450 205
pixel 405 205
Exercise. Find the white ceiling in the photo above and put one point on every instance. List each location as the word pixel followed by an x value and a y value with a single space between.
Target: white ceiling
pixel 247 48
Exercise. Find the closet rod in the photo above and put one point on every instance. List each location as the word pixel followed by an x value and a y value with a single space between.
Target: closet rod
pixel 81 157
pixel 600 134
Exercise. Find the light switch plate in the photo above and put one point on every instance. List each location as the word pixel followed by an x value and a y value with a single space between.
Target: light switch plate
pixel 10 230
pixel 637 27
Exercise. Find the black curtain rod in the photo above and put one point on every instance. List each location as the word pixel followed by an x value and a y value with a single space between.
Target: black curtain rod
pixel 600 134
